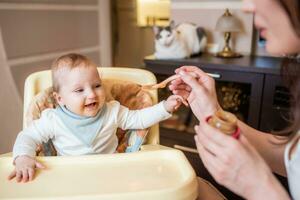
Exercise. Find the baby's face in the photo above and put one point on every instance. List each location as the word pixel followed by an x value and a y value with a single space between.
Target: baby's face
pixel 81 91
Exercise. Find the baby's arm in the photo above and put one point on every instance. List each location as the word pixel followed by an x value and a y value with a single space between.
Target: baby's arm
pixel 39 131
pixel 143 118
pixel 25 168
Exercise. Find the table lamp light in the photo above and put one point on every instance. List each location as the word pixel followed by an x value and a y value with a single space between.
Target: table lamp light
pixel 227 24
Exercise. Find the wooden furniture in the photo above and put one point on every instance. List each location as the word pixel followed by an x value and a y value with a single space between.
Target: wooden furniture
pixel 267 100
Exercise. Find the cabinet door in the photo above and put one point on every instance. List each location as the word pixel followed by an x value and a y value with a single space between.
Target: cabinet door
pixel 275 105
pixel 238 92
pixel 244 89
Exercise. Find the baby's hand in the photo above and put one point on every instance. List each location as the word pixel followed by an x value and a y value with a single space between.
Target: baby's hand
pixel 173 103
pixel 25 168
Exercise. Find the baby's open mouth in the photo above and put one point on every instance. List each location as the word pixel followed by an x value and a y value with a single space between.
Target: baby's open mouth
pixel 91 105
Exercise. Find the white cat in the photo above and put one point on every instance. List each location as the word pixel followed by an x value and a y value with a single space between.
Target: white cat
pixel 181 41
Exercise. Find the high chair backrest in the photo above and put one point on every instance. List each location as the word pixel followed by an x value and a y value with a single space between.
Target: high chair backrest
pixel 39 81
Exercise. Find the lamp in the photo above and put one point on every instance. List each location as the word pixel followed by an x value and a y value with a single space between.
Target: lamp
pixel 153 12
pixel 227 24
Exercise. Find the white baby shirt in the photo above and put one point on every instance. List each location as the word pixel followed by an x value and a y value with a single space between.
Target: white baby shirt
pixel 50 126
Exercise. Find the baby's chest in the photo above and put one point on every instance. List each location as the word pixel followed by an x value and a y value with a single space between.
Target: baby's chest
pixel 65 136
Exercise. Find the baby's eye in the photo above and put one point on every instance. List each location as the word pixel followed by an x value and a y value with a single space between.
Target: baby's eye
pixel 98 86
pixel 79 90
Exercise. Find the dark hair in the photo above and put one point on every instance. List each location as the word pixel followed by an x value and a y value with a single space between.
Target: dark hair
pixel 290 72
pixel 292 8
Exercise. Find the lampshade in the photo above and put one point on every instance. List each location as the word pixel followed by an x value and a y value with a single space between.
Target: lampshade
pixel 228 23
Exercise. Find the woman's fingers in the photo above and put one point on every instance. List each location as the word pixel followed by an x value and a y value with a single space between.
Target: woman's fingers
pixel 193 83
pixel 180 86
pixel 212 134
pixel 197 73
pixel 209 160
pixel 188 79
pixel 188 68
pixel 219 144
pixel 194 71
pixel 211 146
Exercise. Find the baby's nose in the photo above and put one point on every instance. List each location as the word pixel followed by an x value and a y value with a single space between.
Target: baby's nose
pixel 91 94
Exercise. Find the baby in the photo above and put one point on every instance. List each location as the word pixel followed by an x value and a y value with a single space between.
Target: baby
pixel 83 123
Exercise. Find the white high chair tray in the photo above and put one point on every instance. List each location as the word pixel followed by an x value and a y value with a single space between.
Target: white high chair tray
pixel 161 174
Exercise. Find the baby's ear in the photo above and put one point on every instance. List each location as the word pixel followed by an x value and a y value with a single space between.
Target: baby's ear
pixel 58 98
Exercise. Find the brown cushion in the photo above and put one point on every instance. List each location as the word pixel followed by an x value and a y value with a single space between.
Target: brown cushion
pixel 127 93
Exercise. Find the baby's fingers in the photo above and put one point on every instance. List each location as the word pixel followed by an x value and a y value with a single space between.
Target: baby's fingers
pixel 24 175
pixel 181 99
pixel 12 175
pixel 31 174
pixel 19 176
pixel 39 165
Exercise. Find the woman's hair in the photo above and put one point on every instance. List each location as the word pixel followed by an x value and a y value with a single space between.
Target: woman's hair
pixel 290 72
pixel 69 62
pixel 292 8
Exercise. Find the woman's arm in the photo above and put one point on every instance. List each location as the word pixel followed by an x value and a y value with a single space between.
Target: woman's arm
pixel 201 95
pixel 268 146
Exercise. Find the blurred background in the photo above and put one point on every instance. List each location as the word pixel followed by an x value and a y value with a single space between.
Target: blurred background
pixel 110 32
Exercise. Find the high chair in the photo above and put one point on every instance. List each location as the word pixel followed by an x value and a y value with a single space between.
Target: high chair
pixel 42 80
pixel 156 172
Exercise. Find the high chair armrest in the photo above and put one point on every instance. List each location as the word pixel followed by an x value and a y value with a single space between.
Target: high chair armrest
pixel 6 154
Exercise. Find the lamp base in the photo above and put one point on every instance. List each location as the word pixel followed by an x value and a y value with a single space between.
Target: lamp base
pixel 228 54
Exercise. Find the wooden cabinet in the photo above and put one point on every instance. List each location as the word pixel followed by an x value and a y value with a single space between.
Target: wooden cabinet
pixel 258 78
pixel 253 82
pixel 275 104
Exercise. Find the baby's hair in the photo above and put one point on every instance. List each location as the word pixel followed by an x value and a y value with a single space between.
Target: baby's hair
pixel 67 62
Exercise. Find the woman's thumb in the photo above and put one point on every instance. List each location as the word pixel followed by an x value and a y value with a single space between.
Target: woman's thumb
pixel 189 80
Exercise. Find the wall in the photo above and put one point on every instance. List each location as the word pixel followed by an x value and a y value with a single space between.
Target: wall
pixel 131 43
pixel 35 32
pixel 206 13
pixel 10 106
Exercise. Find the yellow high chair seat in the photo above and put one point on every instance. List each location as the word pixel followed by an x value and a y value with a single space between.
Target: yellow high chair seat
pixel 121 84
pixel 158 173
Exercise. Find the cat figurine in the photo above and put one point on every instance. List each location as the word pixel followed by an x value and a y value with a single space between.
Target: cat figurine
pixel 181 41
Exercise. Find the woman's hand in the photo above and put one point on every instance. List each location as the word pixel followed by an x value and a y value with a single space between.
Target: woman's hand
pixel 198 88
pixel 236 164
pixel 25 168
